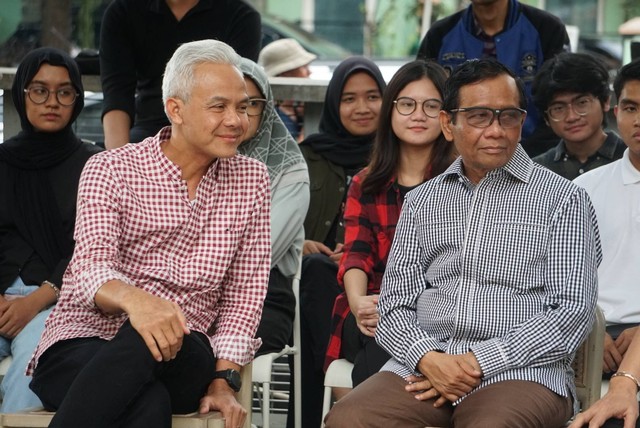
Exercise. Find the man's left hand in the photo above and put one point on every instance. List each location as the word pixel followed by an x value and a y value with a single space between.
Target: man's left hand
pixel 220 397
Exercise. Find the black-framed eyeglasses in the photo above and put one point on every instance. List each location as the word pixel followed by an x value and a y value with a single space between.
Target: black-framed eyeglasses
pixel 483 117
pixel 40 95
pixel 580 106
pixel 407 105
pixel 256 106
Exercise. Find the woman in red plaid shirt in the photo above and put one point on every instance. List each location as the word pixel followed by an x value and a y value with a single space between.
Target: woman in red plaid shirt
pixel 408 150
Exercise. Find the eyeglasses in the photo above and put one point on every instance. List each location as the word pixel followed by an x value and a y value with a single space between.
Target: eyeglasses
pixel 483 117
pixel 40 95
pixel 256 106
pixel 407 106
pixel 580 106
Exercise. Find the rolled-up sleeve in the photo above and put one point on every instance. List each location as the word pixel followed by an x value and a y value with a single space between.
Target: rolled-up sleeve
pixel 245 286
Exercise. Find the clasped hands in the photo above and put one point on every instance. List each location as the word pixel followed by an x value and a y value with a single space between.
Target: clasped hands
pixel 313 247
pixel 446 377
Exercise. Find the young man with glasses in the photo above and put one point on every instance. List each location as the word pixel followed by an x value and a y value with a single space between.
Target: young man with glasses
pixel 491 284
pixel 572 89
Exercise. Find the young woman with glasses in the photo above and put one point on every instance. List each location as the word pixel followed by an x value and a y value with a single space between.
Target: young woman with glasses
pixel 408 150
pixel 39 176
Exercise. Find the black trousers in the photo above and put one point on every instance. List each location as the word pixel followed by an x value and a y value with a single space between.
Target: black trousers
pixel 363 351
pixel 279 310
pixel 95 383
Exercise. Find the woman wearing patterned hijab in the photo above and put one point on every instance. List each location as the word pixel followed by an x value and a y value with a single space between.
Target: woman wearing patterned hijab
pixel 269 141
pixel 334 155
pixel 39 174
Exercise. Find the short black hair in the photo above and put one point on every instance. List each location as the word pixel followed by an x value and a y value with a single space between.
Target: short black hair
pixel 580 73
pixel 630 71
pixel 473 71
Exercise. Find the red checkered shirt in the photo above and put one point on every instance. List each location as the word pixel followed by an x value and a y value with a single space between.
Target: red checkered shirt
pixel 135 223
pixel 370 224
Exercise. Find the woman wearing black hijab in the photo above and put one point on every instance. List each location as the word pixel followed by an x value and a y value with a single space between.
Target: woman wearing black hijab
pixel 339 151
pixel 39 174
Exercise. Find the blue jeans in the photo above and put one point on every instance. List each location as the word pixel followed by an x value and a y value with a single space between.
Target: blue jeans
pixel 14 388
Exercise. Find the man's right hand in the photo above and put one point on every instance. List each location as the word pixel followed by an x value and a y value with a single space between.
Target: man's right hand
pixel 160 322
pixel 612 356
pixel 452 376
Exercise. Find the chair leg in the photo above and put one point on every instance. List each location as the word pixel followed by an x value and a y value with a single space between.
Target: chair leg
pixel 266 404
pixel 326 404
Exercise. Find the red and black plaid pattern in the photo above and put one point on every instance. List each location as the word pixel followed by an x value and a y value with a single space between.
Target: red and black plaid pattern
pixel 370 223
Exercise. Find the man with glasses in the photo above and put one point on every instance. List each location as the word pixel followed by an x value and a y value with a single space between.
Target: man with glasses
pixel 491 282
pixel 615 192
pixel 572 89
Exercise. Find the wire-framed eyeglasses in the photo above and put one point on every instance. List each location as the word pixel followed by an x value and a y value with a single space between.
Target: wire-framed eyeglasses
pixel 40 95
pixel 581 106
pixel 256 106
pixel 406 106
pixel 483 117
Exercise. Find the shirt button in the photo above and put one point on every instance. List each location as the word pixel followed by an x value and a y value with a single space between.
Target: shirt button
pixel 581 171
pixel 327 223
pixel 341 189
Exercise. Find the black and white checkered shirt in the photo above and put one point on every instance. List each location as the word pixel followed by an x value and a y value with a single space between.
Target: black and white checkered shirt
pixel 506 269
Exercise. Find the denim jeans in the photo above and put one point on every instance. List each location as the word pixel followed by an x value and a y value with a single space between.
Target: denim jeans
pixel 14 388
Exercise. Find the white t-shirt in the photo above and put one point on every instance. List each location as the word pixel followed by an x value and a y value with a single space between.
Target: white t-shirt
pixel 615 192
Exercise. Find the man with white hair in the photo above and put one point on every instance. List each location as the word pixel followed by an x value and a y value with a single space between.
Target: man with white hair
pixel 164 293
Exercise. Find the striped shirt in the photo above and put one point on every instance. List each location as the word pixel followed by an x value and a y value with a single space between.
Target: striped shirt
pixel 506 269
pixel 136 224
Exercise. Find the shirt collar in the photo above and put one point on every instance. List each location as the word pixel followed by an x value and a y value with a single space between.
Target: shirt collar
pixel 163 162
pixel 630 175
pixel 607 149
pixel 520 166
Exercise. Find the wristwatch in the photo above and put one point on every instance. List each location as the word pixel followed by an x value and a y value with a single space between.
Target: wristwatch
pixel 231 376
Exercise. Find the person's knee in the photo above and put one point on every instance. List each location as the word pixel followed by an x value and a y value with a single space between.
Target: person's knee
pixel 344 413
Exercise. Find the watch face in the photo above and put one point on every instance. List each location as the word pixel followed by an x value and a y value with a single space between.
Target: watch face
pixel 234 380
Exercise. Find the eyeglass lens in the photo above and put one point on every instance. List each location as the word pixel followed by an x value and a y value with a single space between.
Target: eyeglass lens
pixel 580 106
pixel 482 117
pixel 407 106
pixel 256 106
pixel 40 95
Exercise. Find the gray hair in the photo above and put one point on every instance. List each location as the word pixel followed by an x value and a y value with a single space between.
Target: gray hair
pixel 178 75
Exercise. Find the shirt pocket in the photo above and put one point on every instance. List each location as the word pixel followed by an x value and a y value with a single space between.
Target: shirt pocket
pixel 516 254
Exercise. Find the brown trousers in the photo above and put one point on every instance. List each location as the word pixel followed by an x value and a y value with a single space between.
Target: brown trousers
pixel 381 401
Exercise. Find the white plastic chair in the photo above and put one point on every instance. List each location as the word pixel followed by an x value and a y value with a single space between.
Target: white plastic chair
pixel 587 364
pixel 263 365
pixel 338 376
